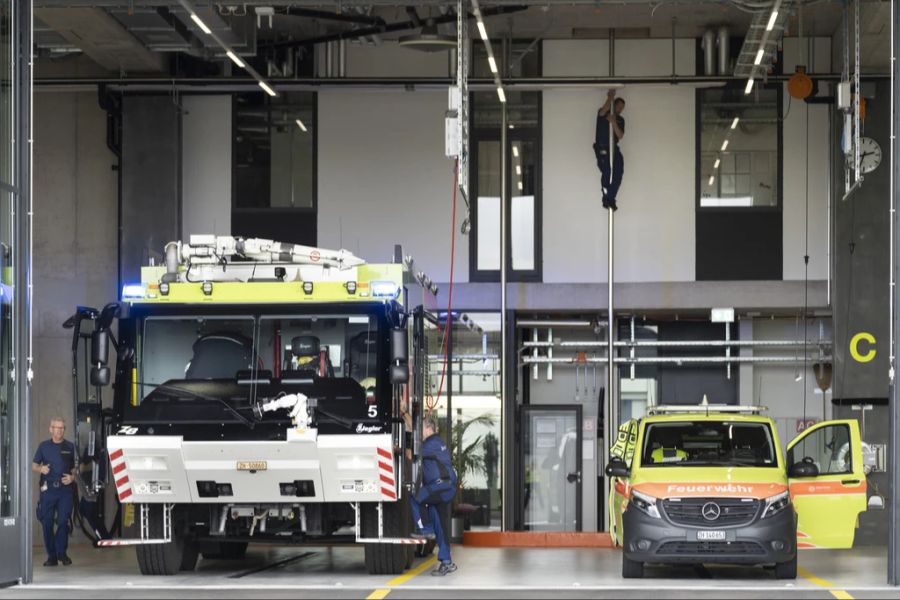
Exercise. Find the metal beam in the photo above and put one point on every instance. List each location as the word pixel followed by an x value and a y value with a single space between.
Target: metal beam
pixel 226 84
pixel 893 574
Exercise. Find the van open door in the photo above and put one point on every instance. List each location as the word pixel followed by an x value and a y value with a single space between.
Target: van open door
pixel 828 483
pixel 618 470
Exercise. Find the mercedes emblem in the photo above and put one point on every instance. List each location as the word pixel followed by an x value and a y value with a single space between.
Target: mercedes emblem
pixel 711 511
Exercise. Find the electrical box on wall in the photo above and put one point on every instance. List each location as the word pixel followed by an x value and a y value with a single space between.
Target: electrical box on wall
pixel 451 123
pixel 844 97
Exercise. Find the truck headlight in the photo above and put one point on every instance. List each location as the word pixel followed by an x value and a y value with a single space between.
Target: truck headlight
pixel 777 503
pixel 644 503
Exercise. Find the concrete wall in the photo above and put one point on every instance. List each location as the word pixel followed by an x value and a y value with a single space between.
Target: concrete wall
pixel 206 165
pixel 75 239
pixel 384 179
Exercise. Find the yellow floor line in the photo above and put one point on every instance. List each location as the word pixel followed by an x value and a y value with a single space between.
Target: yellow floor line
pixel 412 572
pixel 839 594
pixel 382 593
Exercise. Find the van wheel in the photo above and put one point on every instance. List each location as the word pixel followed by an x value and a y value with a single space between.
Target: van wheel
pixel 787 570
pixel 632 569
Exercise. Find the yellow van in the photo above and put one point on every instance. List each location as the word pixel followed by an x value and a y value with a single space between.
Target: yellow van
pixel 710 484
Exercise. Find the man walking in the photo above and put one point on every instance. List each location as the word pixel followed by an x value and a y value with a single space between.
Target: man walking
pixel 610 115
pixel 437 490
pixel 55 461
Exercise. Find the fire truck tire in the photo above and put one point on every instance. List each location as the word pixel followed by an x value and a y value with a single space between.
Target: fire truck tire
pixel 388 559
pixel 426 549
pixel 225 550
pixel 163 559
pixel 190 556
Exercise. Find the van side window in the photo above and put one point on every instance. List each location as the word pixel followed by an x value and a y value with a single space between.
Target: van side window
pixel 828 447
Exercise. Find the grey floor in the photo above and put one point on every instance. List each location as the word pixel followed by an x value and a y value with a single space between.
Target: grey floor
pixel 284 572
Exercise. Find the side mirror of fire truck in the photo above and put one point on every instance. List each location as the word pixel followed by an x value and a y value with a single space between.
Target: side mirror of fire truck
pixel 399 356
pixel 99 357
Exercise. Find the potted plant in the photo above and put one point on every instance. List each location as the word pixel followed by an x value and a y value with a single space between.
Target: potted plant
pixel 468 457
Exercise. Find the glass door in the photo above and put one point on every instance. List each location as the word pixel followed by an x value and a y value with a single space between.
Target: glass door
pixel 551 461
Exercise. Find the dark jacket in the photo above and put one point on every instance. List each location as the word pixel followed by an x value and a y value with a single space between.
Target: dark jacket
pixel 437 469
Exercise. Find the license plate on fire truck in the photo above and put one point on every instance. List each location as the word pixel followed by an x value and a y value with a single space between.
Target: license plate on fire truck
pixel 711 536
pixel 252 465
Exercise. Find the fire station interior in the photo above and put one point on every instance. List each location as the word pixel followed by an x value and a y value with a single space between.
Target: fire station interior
pixel 606 214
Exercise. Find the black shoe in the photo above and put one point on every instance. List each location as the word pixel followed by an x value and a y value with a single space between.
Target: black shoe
pixel 612 205
pixel 605 202
pixel 444 568
pixel 64 559
pixel 50 562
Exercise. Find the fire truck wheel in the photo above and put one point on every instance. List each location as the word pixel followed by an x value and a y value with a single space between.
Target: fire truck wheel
pixel 162 559
pixel 225 550
pixel 387 559
pixel 426 549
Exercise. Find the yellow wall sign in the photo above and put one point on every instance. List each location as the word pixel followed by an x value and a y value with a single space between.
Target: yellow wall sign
pixel 869 355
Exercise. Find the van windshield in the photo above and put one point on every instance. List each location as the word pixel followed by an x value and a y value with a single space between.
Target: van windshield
pixel 708 443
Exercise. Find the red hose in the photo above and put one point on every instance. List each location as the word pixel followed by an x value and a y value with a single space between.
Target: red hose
pixel 432 401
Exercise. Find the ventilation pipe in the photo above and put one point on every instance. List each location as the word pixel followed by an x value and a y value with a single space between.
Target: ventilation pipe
pixel 724 51
pixel 709 52
pixel 329 59
pixel 342 58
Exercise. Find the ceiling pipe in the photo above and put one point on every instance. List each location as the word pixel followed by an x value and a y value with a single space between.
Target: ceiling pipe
pixel 358 19
pixel 389 28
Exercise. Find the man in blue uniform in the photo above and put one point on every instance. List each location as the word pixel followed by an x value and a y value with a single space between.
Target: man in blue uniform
pixel 610 116
pixel 437 490
pixel 55 461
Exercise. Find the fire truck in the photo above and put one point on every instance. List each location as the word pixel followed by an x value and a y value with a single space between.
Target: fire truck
pixel 262 392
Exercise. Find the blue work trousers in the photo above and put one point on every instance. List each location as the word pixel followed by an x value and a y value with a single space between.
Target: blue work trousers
pixel 610 181
pixel 433 519
pixel 54 509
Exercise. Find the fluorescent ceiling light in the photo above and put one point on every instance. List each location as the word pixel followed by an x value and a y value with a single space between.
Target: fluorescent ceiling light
pixel 511 126
pixel 712 179
pixel 772 19
pixel 515 151
pixel 234 58
pixel 520 186
pixel 759 56
pixel 268 90
pixel 200 24
pixel 518 169
pixel 500 94
pixel 749 87
pixel 301 125
pixel 724 145
pixel 735 122
pixel 716 166
pixel 493 64
pixel 482 31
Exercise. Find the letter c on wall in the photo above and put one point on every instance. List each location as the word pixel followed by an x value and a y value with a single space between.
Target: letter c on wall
pixel 854 347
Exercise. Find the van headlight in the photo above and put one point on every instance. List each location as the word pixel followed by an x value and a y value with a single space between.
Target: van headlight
pixel 644 503
pixel 777 503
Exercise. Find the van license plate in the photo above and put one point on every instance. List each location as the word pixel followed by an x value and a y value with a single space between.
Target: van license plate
pixel 711 536
pixel 252 465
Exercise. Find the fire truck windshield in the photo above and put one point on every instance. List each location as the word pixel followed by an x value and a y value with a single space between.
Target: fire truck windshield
pixel 289 348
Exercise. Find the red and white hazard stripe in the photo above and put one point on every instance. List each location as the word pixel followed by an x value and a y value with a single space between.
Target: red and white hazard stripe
pixel 119 473
pixel 386 474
